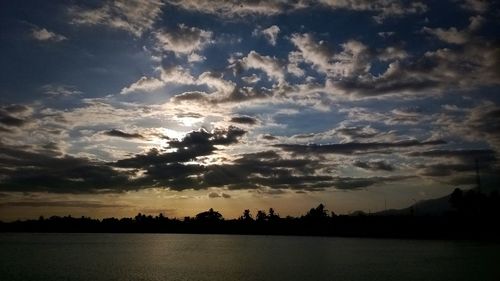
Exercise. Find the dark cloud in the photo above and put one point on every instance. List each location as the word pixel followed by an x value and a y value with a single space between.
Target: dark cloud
pixel 16 108
pixel 355 147
pixel 349 183
pixel 24 170
pixel 65 204
pixel 244 120
pixel 484 122
pixel 354 132
pixel 190 96
pixel 218 195
pixel 122 134
pixel 269 137
pixel 5 130
pixel 439 70
pixel 27 171
pixel 374 165
pixel 452 169
pixel 194 144
pixel 466 155
pixel 189 115
pixel 12 115
pixel 11 121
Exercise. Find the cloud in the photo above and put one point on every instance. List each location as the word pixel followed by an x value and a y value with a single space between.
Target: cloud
pixel 479 6
pixel 434 72
pixel 133 16
pixel 452 35
pixel 60 90
pixel 349 183
pixel 374 165
pixel 254 78
pixel 349 71
pixel 42 34
pixel 65 204
pixel 244 120
pixel 13 115
pixel 22 170
pixel 392 53
pixel 318 54
pixel 239 8
pixel 386 34
pixel 294 61
pixel 217 195
pixel 478 123
pixel 144 84
pixel 273 67
pixel 30 171
pixel 352 61
pixel 465 155
pixel 382 9
pixel 355 133
pixel 355 147
pixel 176 75
pixel 168 75
pixel 122 134
pixel 183 40
pixel 270 33
pixel 194 144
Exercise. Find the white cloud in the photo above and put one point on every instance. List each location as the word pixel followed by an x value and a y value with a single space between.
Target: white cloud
pixel 254 78
pixel 172 75
pixel 353 59
pixel 382 8
pixel 194 57
pixel 242 8
pixel 212 80
pixel 392 53
pixel 270 33
pixel 134 16
pixel 294 59
pixel 42 34
pixel 454 36
pixel 177 74
pixel 317 54
pixel 270 65
pixel 144 84
pixel 238 8
pixel 184 40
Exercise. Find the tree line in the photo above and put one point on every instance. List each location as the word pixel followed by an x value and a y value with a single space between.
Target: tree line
pixel 473 215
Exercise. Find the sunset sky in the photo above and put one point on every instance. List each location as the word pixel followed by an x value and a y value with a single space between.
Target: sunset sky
pixel 110 108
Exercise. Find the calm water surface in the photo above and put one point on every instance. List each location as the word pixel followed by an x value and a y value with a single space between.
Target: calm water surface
pixel 224 257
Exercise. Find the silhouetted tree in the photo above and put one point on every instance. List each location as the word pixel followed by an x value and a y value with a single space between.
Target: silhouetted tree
pixel 209 216
pixel 246 216
pixel 261 216
pixel 272 215
pixel 317 213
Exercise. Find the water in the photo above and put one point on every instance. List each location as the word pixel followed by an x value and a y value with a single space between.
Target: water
pixel 224 257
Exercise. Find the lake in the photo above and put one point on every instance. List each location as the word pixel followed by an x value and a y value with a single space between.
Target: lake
pixel 33 256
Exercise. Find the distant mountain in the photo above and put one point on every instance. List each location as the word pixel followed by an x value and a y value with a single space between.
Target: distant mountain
pixel 431 207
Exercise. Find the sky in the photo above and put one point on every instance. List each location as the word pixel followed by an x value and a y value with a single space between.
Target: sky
pixel 111 108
